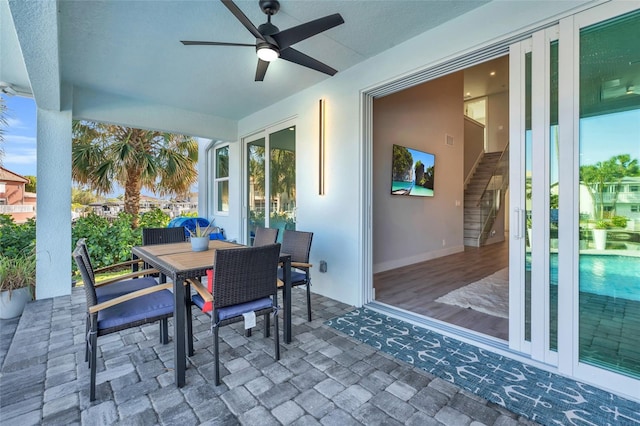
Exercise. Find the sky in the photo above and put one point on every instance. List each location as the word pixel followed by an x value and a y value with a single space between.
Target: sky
pixel 20 135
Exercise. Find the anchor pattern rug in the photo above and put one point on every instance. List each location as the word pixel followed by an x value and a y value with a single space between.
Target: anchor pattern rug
pixel 541 396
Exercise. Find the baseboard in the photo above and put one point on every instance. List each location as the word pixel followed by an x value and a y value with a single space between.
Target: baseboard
pixel 422 257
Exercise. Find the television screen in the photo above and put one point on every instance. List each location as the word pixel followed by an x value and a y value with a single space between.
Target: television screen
pixel 412 172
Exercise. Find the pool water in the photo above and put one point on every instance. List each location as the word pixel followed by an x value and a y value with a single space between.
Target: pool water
pixel 613 276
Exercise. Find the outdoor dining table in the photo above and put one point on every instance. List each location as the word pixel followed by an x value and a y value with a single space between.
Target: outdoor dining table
pixel 178 262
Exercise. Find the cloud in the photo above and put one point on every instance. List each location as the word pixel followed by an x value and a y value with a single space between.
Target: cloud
pixel 21 158
pixel 15 123
pixel 10 139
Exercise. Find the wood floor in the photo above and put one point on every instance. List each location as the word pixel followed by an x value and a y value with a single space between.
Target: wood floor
pixel 416 287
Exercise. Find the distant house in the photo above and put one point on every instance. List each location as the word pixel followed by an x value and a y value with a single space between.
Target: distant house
pixel 618 198
pixel 14 199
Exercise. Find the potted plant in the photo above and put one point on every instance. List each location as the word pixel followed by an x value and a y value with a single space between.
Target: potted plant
pixel 199 237
pixel 17 282
pixel 600 234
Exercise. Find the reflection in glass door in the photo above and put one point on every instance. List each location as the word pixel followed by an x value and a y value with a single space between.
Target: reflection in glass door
pixel 272 205
pixel 609 213
pixel 256 186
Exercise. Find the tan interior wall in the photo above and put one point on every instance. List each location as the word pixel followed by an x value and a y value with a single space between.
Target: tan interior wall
pixel 409 229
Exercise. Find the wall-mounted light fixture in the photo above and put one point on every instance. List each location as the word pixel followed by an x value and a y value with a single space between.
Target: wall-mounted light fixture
pixel 321 132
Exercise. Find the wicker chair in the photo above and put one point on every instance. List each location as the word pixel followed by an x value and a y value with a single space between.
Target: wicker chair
pixel 298 245
pixel 152 236
pixel 163 235
pixel 118 286
pixel 244 281
pixel 109 311
pixel 265 236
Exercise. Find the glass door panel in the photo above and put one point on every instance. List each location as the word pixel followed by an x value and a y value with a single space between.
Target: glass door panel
pixel 282 171
pixel 609 203
pixel 528 156
pixel 553 194
pixel 271 180
pixel 256 186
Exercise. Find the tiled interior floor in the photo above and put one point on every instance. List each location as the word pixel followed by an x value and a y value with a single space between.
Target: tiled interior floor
pixel 323 377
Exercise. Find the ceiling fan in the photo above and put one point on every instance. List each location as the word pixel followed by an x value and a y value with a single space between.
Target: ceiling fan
pixel 271 43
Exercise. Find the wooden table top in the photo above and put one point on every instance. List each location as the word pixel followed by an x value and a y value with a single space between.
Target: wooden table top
pixel 180 257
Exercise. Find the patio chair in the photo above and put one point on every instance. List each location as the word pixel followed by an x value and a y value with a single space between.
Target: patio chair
pixel 265 236
pixel 108 314
pixel 120 285
pixel 152 236
pixel 244 281
pixel 163 235
pixel 298 245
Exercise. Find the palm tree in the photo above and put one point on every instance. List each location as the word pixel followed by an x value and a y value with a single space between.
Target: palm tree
pixel 600 176
pixel 104 154
pixel 623 166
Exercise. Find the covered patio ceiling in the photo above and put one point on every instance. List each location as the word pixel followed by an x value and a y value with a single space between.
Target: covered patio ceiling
pixel 129 52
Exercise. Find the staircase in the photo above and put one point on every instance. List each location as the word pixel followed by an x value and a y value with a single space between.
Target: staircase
pixel 475 215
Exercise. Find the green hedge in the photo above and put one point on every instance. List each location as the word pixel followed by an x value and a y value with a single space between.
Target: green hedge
pixel 109 241
pixel 16 240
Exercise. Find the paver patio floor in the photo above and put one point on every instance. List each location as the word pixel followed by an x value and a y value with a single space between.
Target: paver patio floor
pixel 323 376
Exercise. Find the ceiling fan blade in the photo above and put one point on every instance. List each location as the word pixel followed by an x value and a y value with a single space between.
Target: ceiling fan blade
pixel 242 18
pixel 261 70
pixel 301 32
pixel 300 58
pixel 213 43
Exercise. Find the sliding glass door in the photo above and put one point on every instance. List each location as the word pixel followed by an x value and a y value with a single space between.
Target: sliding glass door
pixel 534 189
pixel 575 196
pixel 609 201
pixel 271 180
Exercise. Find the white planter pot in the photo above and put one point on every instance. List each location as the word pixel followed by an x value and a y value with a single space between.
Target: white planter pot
pixel 11 307
pixel 600 238
pixel 200 243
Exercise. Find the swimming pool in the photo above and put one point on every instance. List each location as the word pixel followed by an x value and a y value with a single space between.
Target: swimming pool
pixel 613 276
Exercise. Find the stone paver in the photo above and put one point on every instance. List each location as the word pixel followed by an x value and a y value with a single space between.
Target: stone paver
pixel 322 378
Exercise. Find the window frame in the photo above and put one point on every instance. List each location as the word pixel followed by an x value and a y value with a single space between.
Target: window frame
pixel 217 180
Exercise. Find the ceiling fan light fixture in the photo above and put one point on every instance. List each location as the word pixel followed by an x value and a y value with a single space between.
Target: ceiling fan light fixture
pixel 267 53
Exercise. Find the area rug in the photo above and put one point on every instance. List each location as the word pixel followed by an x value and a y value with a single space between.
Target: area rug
pixel 539 395
pixel 489 295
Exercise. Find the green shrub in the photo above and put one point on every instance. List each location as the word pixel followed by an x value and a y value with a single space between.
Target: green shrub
pixel 108 242
pixel 154 218
pixel 619 221
pixel 17 240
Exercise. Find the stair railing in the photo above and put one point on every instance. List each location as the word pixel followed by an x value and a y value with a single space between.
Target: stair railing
pixel 492 197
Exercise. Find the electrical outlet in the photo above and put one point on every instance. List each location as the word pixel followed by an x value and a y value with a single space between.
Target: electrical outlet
pixel 323 266
pixel 444 243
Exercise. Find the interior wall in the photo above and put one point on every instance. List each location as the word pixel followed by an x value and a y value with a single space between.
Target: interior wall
pixel 497 121
pixel 473 144
pixel 411 229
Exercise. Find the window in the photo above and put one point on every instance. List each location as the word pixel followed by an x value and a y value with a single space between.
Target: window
pixel 634 188
pixel 221 181
pixel 635 208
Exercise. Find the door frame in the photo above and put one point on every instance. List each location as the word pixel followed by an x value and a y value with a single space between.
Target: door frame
pixel 246 140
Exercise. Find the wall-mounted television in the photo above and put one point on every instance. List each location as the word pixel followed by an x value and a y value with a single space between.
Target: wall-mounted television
pixel 412 172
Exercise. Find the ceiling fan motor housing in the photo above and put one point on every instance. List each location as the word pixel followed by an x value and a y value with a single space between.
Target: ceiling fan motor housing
pixel 268 29
pixel 270 7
